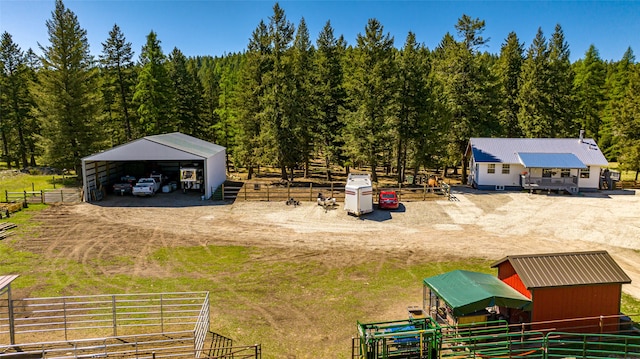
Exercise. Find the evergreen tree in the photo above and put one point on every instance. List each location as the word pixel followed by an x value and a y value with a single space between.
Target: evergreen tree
pixel 414 103
pixel 329 97
pixel 589 86
pixel 535 116
pixel 627 126
pixel 616 85
pixel 249 150
pixel 119 79
pixel 560 79
pixel 277 112
pixel 226 128
pixel 508 68
pixel 371 86
pixel 15 102
pixel 468 90
pixel 302 55
pixel 67 97
pixel 186 113
pixel 153 92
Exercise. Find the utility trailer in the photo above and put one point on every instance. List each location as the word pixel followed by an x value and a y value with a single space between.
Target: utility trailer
pixel 191 178
pixel 358 194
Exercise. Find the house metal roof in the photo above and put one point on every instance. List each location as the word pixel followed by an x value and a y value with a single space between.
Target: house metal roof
pixel 566 269
pixel 171 146
pixel 550 160
pixel 468 292
pixel 505 150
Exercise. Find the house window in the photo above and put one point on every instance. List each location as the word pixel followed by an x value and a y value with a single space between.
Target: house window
pixel 506 168
pixel 585 173
pixel 565 172
pixel 491 168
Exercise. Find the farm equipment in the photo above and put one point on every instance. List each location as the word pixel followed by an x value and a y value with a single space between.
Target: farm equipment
pixel 326 202
pixel 412 338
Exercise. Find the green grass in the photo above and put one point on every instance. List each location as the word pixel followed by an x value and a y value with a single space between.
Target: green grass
pixel 18 182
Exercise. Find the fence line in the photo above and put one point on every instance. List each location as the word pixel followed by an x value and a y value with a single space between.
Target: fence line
pixel 254 191
pixel 44 196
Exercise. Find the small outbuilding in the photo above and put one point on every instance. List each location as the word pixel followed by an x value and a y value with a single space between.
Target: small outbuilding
pixel 165 154
pixel 564 164
pixel 566 286
pixel 463 297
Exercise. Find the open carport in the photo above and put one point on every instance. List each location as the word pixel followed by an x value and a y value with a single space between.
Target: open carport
pixel 164 154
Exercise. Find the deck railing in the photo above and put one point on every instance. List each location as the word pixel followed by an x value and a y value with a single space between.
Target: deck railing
pixel 530 182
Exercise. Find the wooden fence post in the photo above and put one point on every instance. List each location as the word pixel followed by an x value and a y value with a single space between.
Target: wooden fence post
pixel 223 191
pixel 331 189
pixel 288 190
pixel 399 192
pixel 245 191
pixel 310 191
pixel 61 199
pixel 424 191
pixel 53 180
pixel 6 196
pixel 42 196
pixel 267 193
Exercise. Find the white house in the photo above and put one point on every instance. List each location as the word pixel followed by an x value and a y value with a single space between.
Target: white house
pixel 571 164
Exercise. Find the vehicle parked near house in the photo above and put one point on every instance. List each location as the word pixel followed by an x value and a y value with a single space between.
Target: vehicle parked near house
pixel 388 200
pixel 145 187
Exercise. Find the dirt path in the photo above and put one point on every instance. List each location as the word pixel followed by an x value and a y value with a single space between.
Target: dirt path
pixel 478 225
pixel 118 236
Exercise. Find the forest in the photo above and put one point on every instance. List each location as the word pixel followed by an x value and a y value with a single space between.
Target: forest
pixel 286 100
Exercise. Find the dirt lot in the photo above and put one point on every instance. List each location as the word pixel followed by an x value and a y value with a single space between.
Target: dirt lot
pixel 476 224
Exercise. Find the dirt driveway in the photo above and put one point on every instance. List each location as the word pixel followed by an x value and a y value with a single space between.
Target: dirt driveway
pixel 120 234
pixel 475 224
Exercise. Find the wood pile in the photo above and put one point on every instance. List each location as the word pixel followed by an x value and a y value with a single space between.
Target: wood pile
pixel 5 229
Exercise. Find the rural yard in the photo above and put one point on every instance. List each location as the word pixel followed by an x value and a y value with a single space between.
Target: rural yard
pixel 119 236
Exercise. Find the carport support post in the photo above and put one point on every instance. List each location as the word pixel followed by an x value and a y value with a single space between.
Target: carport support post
pixel 12 330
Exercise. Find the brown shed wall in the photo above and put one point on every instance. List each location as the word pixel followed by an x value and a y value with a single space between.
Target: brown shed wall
pixel 561 303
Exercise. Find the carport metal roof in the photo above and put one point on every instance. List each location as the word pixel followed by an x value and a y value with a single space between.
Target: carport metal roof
pixel 468 292
pixel 550 160
pixel 167 147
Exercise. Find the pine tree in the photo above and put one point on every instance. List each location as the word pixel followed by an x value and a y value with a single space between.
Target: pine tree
pixel 329 97
pixel 153 91
pixel 302 54
pixel 249 149
pixel 616 85
pixel 277 112
pixel 67 97
pixel 562 104
pixel 627 125
pixel 371 86
pixel 589 85
pixel 508 69
pixel 414 104
pixel 186 113
pixel 535 116
pixel 119 78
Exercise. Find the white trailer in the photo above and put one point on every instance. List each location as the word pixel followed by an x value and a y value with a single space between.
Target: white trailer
pixel 358 194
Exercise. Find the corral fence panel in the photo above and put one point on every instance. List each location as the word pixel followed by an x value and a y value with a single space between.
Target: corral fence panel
pixel 180 322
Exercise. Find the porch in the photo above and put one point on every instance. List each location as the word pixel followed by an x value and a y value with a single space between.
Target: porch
pixel 531 183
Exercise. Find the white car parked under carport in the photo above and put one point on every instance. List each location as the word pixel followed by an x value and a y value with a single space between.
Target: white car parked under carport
pixel 145 187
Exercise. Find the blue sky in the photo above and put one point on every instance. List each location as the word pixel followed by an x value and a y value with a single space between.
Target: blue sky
pixel 215 27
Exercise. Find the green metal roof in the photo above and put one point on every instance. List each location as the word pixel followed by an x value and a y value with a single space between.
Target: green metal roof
pixel 468 292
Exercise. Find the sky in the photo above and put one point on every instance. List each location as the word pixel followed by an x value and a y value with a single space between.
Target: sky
pixel 218 27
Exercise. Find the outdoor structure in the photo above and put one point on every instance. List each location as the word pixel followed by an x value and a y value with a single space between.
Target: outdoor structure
pixel 164 154
pixel 565 164
pixel 463 297
pixel 358 194
pixel 564 286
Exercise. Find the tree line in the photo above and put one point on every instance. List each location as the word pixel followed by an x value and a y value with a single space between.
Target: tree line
pixel 286 100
